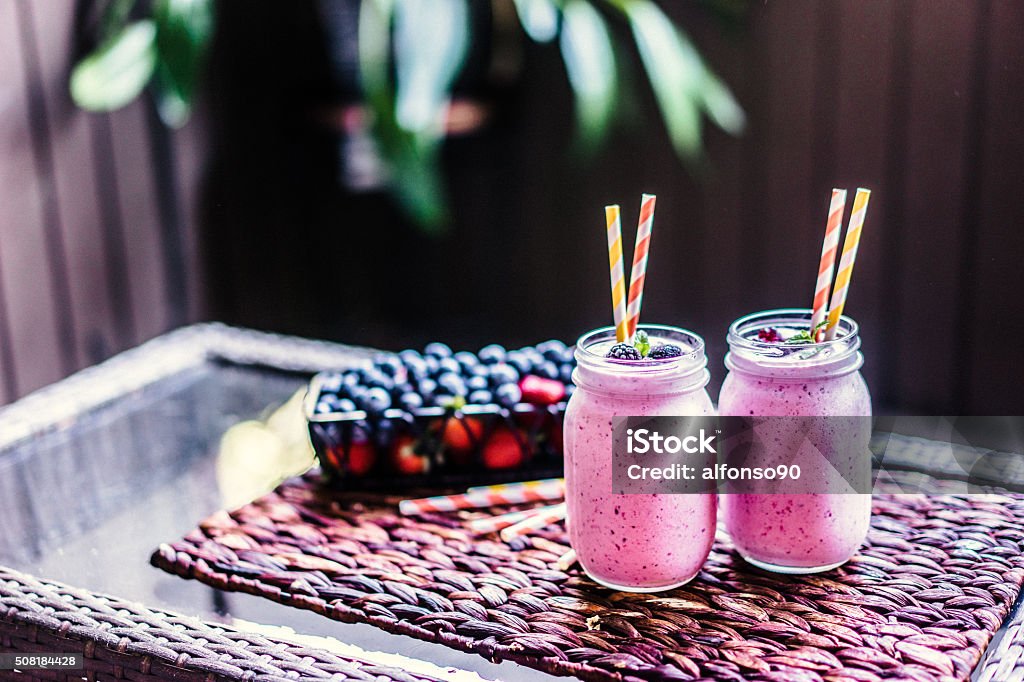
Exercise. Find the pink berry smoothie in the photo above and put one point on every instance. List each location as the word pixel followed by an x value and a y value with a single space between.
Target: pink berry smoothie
pixel 801 532
pixel 635 542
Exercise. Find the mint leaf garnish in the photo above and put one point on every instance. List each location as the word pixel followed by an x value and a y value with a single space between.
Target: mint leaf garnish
pixel 806 335
pixel 642 343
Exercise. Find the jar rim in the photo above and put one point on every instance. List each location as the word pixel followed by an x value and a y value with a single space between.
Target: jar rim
pixel 737 338
pixel 834 357
pixel 694 342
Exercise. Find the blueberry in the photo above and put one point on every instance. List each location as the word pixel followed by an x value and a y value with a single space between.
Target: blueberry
pixel 438 350
pixel 476 383
pixel 432 364
pixel 451 383
pixel 565 373
pixel 377 400
pixel 569 355
pixel 388 364
pixel 330 383
pixel 551 350
pixel 533 356
pixel 569 390
pixel 369 376
pixel 411 401
pixel 446 365
pixel 548 370
pixel 480 371
pixel 491 354
pixel 427 387
pixel 479 398
pixel 508 395
pixel 520 361
pixel 398 390
pixel 346 405
pixel 327 403
pixel 409 355
pixel 357 393
pixel 444 399
pixel 351 379
pixel 416 368
pixel 503 373
pixel 466 359
pixel 382 381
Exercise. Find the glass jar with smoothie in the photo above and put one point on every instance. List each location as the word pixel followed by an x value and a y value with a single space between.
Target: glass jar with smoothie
pixel 634 542
pixel 802 532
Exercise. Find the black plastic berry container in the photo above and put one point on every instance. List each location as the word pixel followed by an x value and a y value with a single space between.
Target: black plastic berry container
pixel 435 445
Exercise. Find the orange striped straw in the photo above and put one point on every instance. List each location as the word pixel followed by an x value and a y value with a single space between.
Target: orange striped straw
pixel 492 524
pixel 828 259
pixel 842 288
pixel 614 222
pixel 639 271
pixel 542 519
pixel 447 503
pixel 566 561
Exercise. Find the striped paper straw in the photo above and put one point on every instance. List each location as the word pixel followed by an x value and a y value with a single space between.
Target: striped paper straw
pixel 566 561
pixel 446 503
pixel 556 487
pixel 828 259
pixel 639 270
pixel 492 524
pixel 614 222
pixel 542 519
pixel 842 288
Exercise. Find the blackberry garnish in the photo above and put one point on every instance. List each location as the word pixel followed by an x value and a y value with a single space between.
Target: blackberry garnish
pixel 623 351
pixel 665 351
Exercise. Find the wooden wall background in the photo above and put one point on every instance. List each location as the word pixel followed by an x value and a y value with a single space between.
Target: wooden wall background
pixel 921 100
pixel 97 237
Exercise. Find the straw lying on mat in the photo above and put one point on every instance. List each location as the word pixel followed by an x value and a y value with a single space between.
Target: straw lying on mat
pixel 541 518
pixel 479 500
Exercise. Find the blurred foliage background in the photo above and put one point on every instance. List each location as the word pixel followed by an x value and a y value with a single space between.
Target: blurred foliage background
pixel 411 54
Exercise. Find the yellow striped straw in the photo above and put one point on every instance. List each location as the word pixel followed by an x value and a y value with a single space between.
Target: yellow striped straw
pixel 547 484
pixel 842 285
pixel 611 214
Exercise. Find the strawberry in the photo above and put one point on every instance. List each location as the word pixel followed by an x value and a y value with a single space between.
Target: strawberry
pixel 503 450
pixel 462 434
pixel 404 457
pixel 540 391
pixel 360 459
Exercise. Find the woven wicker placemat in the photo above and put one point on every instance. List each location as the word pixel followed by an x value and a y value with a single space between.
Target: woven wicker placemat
pixel 921 601
pixel 124 640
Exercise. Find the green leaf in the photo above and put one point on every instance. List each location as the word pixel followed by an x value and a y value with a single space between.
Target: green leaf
pixel 430 43
pixel 416 171
pixel 374 43
pixel 590 64
pixel 183 30
pixel 675 70
pixel 806 335
pixel 720 105
pixel 539 19
pixel 412 157
pixel 642 343
pixel 116 72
